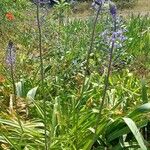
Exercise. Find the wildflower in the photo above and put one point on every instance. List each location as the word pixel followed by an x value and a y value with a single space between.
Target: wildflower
pixel 112 9
pixel 98 3
pixel 10 16
pixel 117 36
pixel 11 54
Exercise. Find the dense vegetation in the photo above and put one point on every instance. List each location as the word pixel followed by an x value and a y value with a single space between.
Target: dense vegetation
pixel 73 84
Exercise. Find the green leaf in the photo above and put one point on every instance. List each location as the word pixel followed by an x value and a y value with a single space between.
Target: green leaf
pixel 38 109
pixel 16 147
pixel 47 69
pixel 118 128
pixel 19 89
pixel 100 131
pixel 31 93
pixel 54 117
pixel 144 92
pixel 132 126
pixel 145 108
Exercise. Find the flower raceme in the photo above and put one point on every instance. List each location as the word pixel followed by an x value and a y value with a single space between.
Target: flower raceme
pixel 10 16
pixel 112 9
pixel 98 3
pixel 118 37
pixel 114 32
pixel 10 54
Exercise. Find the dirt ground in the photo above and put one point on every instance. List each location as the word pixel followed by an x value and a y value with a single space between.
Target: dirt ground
pixel 142 7
pixel 84 10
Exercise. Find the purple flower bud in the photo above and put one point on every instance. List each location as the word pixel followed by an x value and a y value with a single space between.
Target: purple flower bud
pixel 11 54
pixel 112 9
pixel 97 3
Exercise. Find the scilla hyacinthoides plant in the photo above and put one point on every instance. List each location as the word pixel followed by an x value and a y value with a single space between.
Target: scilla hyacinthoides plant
pixel 38 2
pixel 11 54
pixel 10 61
pixel 97 5
pixel 113 12
pixel 120 56
pixel 113 36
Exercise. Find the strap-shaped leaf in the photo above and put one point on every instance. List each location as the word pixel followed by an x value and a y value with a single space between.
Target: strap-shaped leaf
pixel 132 126
pixel 31 93
pixel 19 89
pixel 145 108
pixel 144 92
pixel 13 144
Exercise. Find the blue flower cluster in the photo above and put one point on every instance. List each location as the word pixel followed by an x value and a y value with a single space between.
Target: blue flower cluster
pixel 112 9
pixel 111 40
pixel 11 54
pixel 117 37
pixel 111 35
pixel 99 3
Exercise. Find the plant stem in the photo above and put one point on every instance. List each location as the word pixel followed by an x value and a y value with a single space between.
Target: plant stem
pixel 106 84
pixel 14 92
pixel 42 76
pixel 76 112
pixel 88 55
pixel 92 41
pixel 14 86
pixel 108 73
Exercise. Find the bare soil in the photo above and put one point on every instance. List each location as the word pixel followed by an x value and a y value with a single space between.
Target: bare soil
pixel 142 7
pixel 83 10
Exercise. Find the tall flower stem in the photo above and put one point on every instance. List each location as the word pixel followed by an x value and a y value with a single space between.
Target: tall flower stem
pixel 91 41
pixel 102 101
pixel 76 113
pixel 88 53
pixel 11 66
pixel 42 75
pixel 108 72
